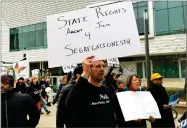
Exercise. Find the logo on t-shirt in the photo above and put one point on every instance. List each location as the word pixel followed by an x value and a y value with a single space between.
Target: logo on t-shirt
pixel 103 96
pixel 103 99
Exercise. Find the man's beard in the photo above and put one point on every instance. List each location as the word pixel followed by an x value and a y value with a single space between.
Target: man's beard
pixel 97 79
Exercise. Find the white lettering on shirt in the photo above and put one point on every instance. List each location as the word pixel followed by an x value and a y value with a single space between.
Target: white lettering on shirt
pixel 104 99
pixel 104 96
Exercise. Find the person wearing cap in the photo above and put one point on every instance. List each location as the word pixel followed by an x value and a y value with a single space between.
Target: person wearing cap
pixel 21 86
pixel 160 95
pixel 16 106
pixel 64 115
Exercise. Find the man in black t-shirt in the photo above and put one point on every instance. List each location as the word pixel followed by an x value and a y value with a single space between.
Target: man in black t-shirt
pixel 92 102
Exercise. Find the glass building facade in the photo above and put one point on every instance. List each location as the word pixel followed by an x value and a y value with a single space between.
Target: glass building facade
pixel 28 37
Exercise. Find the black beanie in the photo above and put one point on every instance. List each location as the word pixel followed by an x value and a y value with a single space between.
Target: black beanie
pixel 7 79
pixel 21 78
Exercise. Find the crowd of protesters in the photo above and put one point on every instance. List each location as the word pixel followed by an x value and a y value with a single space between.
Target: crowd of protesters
pixel 85 98
pixel 89 99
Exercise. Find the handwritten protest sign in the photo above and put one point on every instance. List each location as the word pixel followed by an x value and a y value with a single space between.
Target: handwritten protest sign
pixel 69 68
pixel 114 29
pixel 65 33
pixel 92 31
pixel 113 61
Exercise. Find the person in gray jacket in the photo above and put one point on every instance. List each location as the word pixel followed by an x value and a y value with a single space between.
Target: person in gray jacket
pixel 64 115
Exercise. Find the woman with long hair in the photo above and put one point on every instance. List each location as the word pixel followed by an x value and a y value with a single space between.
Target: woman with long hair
pixel 34 91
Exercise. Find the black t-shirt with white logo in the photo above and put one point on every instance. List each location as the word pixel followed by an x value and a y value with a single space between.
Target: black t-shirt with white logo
pixel 92 105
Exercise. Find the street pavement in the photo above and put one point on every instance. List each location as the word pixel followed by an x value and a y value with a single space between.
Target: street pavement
pixel 49 121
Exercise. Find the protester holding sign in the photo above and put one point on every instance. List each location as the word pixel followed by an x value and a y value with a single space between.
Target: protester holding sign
pixel 92 102
pixel 133 84
pixel 160 95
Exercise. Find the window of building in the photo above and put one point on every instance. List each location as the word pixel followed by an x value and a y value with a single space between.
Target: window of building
pixel 166 67
pixel 25 32
pixel 28 37
pixel 183 68
pixel 14 42
pixel 139 8
pixel 32 36
pixel 170 17
pixel 57 71
pixel 172 4
pixel 161 22
pixel 39 35
pixel 141 69
pixel 45 33
pixel 45 65
pixel 184 9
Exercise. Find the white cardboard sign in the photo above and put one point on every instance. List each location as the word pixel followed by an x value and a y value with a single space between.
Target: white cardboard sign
pixel 113 61
pixel 92 31
pixel 69 68
pixel 35 72
pixel 66 33
pixel 139 104
pixel 3 71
